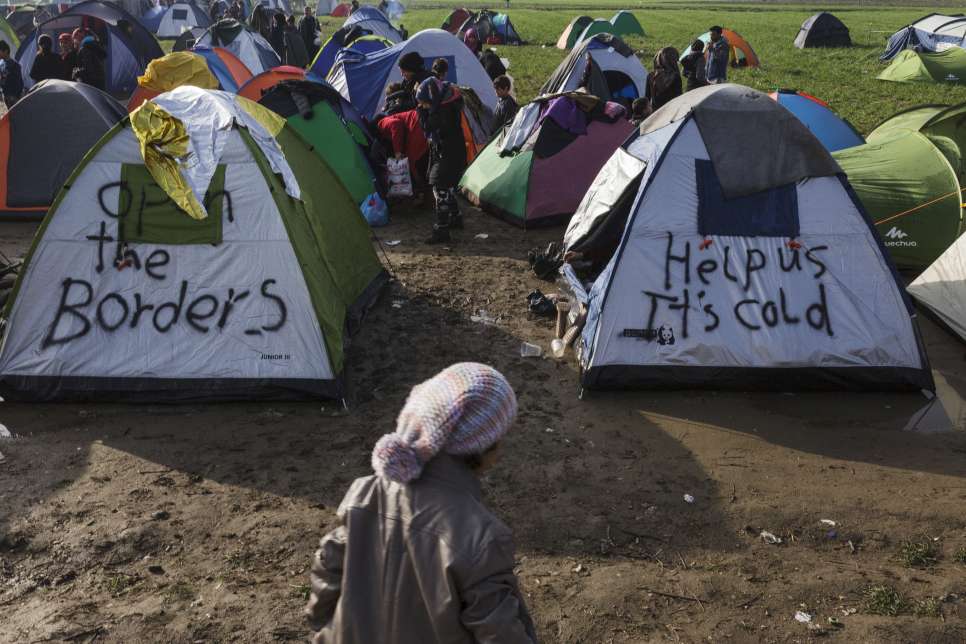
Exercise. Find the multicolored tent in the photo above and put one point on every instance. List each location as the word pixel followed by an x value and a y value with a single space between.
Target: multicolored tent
pixel 571 35
pixel 833 131
pixel 454 21
pixel 909 177
pixel 947 66
pixel 520 175
pixel 823 30
pixel 742 55
pixel 617 73
pixel 492 28
pixel 226 66
pixel 933 32
pixel 248 46
pixel 250 301
pixel 64 120
pixel 256 87
pixel 331 126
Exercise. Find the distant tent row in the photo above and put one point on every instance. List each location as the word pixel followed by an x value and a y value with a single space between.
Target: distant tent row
pixel 947 66
pixel 623 23
pixel 491 28
pixel 616 73
pixel 823 30
pixel 248 46
pixel 931 33
pixel 742 55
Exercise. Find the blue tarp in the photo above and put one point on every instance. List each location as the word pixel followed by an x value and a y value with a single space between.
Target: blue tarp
pixel 834 132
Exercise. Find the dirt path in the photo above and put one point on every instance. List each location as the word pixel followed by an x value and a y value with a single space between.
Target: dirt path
pixel 188 524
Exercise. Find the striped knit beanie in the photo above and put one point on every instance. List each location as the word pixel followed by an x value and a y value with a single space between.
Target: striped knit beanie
pixel 463 410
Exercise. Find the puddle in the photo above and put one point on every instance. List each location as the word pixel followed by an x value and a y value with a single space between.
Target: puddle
pixel 945 412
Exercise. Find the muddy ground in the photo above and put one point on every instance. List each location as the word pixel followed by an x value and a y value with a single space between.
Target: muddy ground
pixel 197 523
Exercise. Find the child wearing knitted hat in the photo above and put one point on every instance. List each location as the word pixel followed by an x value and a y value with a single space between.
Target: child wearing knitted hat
pixel 417 558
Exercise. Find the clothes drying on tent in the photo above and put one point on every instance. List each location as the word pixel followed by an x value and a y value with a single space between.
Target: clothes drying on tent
pixel 363 79
pixel 373 21
pixel 909 177
pixel 823 30
pixel 43 136
pixel 518 176
pixel 171 71
pixel 622 75
pixel 934 32
pixel 492 28
pixel 127 54
pixel 833 131
pixel 742 55
pixel 258 85
pixel 181 17
pixel 249 47
pixel 571 34
pixel 947 67
pixel 226 66
pixel 454 21
pixel 252 301
pixel 331 126
pixel 730 276
pixel 187 39
pixel 941 288
pixel 356 38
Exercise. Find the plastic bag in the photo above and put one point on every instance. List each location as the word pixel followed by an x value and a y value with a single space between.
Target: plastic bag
pixel 400 183
pixel 375 210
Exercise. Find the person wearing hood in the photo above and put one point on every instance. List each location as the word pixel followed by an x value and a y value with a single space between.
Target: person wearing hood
pixel 47 64
pixel 90 64
pixel 441 116
pixel 417 557
pixel 295 53
pixel 664 83
pixel 472 40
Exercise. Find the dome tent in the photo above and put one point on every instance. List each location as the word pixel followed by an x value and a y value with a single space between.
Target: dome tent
pixel 626 24
pixel 127 54
pixel 723 277
pixel 742 55
pixel 258 85
pixel 181 17
pixel 187 39
pixel 54 115
pixel 331 126
pixel 454 21
pixel 823 30
pixel 622 71
pixel 941 288
pixel 340 40
pixel 517 176
pixel 909 177
pixel 834 132
pixel 25 18
pixel 492 28
pixel 250 302
pixel 571 35
pixel 372 21
pixel 931 33
pixel 226 66
pixel 363 79
pixel 248 46
pixel 947 66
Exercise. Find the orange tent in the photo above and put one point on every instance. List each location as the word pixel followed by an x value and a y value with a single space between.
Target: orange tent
pixel 742 55
pixel 342 10
pixel 260 84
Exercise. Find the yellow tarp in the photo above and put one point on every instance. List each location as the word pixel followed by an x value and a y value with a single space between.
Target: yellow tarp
pixel 177 69
pixel 265 117
pixel 164 141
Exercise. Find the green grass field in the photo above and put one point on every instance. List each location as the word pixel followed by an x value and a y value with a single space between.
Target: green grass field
pixel 845 78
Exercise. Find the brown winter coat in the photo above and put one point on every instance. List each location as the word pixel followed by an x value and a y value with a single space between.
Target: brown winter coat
pixel 421 563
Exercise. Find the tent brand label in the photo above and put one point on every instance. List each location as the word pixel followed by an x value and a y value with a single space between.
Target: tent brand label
pixel 686 303
pixel 896 238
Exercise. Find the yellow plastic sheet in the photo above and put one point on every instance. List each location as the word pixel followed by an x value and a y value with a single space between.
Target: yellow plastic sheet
pixel 177 69
pixel 164 141
pixel 265 117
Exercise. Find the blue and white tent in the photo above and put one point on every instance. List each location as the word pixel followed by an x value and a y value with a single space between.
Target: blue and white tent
pixel 181 17
pixel 331 51
pixel 363 78
pixel 934 32
pixel 250 48
pixel 707 270
pixel 833 131
pixel 373 21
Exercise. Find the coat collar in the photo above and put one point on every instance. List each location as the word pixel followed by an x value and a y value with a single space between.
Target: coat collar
pixel 452 472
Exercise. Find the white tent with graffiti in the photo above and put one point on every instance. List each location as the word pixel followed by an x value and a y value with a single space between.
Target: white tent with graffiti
pixel 236 278
pixel 698 270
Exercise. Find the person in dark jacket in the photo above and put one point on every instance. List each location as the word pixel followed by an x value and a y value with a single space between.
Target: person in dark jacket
pixel 11 77
pixel 441 115
pixel 295 52
pixel 413 73
pixel 719 51
pixel 90 64
pixel 68 56
pixel 308 28
pixel 47 64
pixel 417 557
pixel 492 64
pixel 664 83
pixel 276 37
pixel 694 66
pixel 506 107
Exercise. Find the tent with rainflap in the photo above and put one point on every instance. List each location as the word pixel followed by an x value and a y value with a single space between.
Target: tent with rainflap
pixel 455 20
pixel 713 274
pixel 518 176
pixel 180 17
pixel 248 46
pixel 947 67
pixel 127 54
pixel 492 28
pixel 742 55
pixel 623 74
pixel 363 78
pixel 909 177
pixel 226 66
pixel 570 36
pixel 823 30
pixel 258 85
pixel 61 118
pixel 833 131
pixel 331 126
pixel 934 32
pixel 247 298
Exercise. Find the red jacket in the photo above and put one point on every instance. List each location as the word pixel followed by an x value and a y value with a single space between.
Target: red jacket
pixel 407 136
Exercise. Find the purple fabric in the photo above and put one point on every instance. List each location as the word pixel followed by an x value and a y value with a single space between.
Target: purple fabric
pixel 614 110
pixel 566 114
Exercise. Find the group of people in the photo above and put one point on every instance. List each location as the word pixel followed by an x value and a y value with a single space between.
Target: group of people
pixel 80 58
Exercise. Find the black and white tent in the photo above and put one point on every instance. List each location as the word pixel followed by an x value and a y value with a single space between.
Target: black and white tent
pixel 823 30
pixel 715 272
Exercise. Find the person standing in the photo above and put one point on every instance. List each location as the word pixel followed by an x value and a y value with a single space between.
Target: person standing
pixel 68 56
pixel 506 106
pixel 295 52
pixel 664 82
pixel 416 556
pixel 308 28
pixel 441 116
pixel 11 77
pixel 90 64
pixel 694 66
pixel 276 37
pixel 413 73
pixel 717 57
pixel 47 64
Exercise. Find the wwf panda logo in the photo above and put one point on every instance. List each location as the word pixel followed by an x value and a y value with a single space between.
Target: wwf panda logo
pixel 665 335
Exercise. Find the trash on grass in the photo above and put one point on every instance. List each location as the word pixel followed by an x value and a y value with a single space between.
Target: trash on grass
pixel 558 347
pixel 482 317
pixel 529 350
pixel 688 498
pixel 827 522
pixel 769 538
pixel 393 242
pixel 802 616
pixel 481 236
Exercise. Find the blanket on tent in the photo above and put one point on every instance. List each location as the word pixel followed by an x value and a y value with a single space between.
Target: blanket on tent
pixel 550 123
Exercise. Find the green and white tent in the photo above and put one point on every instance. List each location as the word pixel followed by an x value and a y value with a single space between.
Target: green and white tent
pixel 909 176
pixel 124 296
pixel 947 66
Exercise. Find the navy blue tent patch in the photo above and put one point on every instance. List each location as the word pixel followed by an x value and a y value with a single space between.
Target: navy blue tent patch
pixel 771 213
